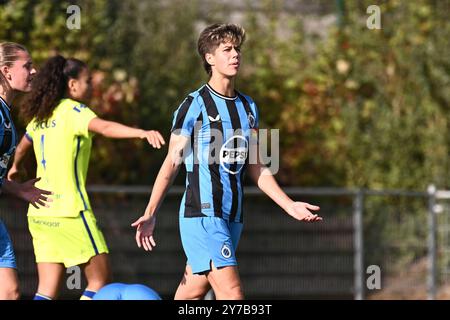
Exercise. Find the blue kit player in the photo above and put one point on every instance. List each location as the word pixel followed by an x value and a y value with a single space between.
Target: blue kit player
pixel 16 74
pixel 214 133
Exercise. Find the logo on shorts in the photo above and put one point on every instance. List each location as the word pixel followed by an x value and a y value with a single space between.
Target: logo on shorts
pixel 226 252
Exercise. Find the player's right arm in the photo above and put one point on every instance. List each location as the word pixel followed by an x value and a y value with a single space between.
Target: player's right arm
pixel 167 173
pixel 111 129
pixel 184 121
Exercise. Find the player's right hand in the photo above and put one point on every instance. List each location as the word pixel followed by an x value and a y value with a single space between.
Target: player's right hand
pixel 154 138
pixel 144 232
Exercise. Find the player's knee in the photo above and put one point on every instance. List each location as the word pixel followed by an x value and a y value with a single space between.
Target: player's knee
pixel 15 294
pixel 192 294
pixel 230 292
pixel 235 293
pixel 11 292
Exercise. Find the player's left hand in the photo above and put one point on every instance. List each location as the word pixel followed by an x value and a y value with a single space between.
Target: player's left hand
pixel 145 226
pixel 300 211
pixel 32 194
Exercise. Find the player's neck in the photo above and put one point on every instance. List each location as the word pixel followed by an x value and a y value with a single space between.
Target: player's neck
pixel 222 85
pixel 7 96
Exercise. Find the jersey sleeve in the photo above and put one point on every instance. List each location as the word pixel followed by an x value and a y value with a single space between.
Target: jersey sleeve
pixel 185 117
pixel 81 116
pixel 29 131
pixel 255 111
pixel 4 164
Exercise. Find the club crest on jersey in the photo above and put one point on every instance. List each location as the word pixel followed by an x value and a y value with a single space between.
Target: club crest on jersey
pixel 226 251
pixel 234 152
pixel 251 120
pixel 4 160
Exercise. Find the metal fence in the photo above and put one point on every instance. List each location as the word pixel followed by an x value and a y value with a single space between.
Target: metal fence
pixel 404 234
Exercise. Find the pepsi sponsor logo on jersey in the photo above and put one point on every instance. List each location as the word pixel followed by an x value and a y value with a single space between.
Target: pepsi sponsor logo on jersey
pixel 234 152
pixel 234 155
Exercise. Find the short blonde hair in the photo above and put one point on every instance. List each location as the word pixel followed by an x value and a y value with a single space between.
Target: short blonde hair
pixel 212 36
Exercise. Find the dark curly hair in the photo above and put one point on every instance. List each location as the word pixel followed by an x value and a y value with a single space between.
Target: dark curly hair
pixel 50 86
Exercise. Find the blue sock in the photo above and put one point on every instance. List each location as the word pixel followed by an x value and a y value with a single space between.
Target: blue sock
pixel 88 295
pixel 39 296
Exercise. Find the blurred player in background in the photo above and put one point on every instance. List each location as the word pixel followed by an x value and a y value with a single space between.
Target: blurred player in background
pixel 60 132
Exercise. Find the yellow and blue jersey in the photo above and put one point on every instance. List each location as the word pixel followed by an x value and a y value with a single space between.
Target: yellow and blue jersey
pixel 62 146
pixel 220 130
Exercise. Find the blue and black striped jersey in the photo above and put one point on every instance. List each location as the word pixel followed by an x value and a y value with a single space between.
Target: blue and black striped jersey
pixel 220 130
pixel 8 138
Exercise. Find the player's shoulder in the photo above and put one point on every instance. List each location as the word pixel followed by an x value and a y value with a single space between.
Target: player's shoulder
pixel 243 96
pixel 196 96
pixel 70 106
pixel 194 99
pixel 4 111
pixel 2 117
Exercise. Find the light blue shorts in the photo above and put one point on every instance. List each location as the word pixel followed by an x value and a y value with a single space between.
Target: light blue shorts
pixel 207 239
pixel 7 258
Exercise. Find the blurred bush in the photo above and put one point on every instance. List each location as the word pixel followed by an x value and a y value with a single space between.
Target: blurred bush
pixel 356 107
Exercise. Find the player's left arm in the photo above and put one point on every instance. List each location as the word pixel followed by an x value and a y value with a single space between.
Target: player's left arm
pixel 266 182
